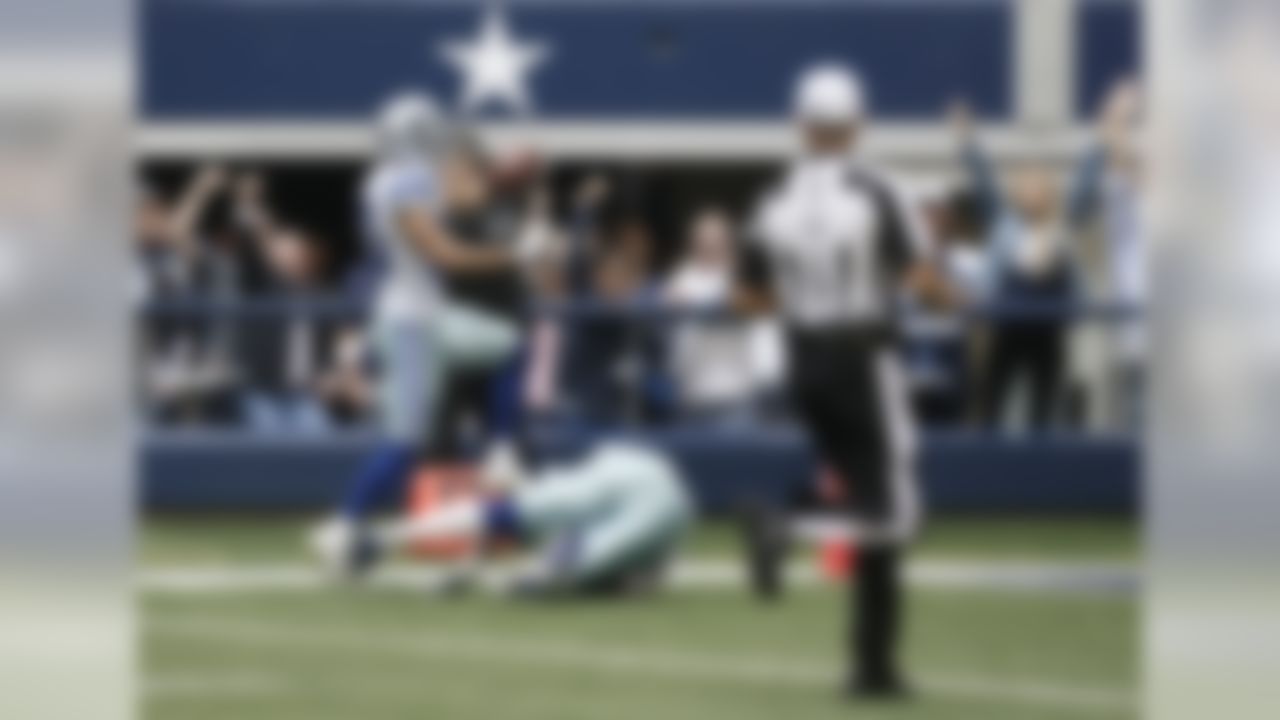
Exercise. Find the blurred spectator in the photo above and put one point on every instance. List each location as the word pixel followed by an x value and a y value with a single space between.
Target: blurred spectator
pixel 586 216
pixel 546 282
pixel 1113 192
pixel 612 359
pixel 958 227
pixel 185 387
pixel 716 368
pixel 548 285
pixel 622 273
pixel 219 238
pixel 186 373
pixel 943 359
pixel 167 251
pixel 1029 237
pixel 345 387
pixel 281 353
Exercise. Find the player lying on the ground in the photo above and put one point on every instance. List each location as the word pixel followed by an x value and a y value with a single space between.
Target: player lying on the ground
pixel 605 524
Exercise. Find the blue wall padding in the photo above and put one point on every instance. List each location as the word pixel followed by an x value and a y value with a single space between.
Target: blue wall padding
pixel 962 472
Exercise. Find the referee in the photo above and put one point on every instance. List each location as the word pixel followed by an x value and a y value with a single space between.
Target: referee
pixel 831 247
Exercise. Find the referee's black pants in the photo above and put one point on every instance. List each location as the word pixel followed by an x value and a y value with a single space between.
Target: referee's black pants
pixel 853 402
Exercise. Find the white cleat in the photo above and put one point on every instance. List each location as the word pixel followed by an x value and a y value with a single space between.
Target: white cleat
pixel 502 470
pixel 332 542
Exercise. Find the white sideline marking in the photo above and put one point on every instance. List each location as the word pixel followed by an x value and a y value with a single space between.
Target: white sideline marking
pixel 243 683
pixel 670 665
pixel 1064 578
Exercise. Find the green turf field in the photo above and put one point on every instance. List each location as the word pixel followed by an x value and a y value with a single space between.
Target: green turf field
pixel 978 650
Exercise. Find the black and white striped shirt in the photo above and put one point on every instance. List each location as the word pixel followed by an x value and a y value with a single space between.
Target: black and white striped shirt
pixel 830 243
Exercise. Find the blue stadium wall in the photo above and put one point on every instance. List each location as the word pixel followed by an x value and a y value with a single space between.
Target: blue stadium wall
pixel 961 472
pixel 208 60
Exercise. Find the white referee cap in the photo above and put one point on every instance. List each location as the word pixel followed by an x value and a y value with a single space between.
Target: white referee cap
pixel 411 124
pixel 829 94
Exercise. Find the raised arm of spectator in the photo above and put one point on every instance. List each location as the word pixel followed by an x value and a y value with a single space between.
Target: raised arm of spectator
pixel 251 212
pixel 975 161
pixel 1119 131
pixel 255 219
pixel 588 200
pixel 1085 190
pixel 1110 150
pixel 911 247
pixel 203 187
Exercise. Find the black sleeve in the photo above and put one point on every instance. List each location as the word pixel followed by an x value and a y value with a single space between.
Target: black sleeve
pixel 901 239
pixel 754 271
pixel 892 241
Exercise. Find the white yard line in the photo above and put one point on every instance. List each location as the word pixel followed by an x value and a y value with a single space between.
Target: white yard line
pixel 1061 578
pixel 678 666
pixel 213 683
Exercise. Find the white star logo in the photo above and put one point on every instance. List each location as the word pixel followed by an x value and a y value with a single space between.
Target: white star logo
pixel 495 65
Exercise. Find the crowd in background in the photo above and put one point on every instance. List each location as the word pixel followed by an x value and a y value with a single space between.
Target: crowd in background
pixel 1016 237
pixel 285 371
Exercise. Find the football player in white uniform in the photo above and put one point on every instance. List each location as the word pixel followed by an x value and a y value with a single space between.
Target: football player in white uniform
pixel 606 524
pixel 418 334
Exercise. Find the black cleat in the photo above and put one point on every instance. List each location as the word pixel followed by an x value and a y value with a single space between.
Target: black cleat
pixel 879 687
